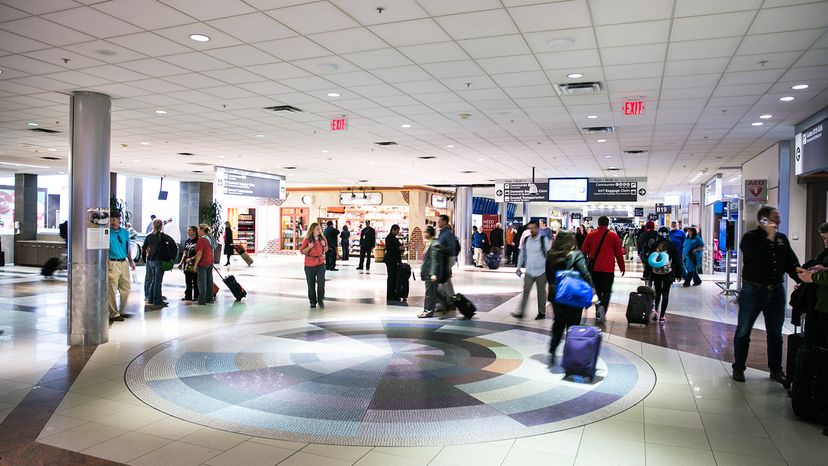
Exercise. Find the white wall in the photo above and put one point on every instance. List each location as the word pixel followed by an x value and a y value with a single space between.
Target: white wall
pixel 763 166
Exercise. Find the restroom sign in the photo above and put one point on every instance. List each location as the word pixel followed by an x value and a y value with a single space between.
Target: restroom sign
pixel 633 107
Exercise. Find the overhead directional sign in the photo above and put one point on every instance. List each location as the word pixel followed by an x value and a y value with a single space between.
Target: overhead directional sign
pixel 609 190
pixel 520 191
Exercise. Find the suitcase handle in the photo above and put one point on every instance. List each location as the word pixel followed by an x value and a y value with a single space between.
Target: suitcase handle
pixel 217 271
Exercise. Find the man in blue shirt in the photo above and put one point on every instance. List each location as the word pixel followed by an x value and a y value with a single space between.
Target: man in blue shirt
pixel 478 240
pixel 117 269
pixel 545 231
pixel 533 258
pixel 677 237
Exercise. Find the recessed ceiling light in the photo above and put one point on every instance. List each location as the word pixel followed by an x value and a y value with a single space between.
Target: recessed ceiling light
pixel 136 161
pixel 324 152
pixel 61 173
pixel 602 140
pixel 481 159
pixel 450 146
pixel 757 123
pixel 145 143
pixel 560 43
pixel 51 149
pixel 328 66
pixel 106 52
pixel 575 75
pixel 592 117
pixel 22 165
pixel 333 94
pixel 161 112
pixel 221 156
pixel 786 99
pixel 766 116
pixel 31 123
pixel 607 156
pixel 260 135
pixel 199 37
pixel 406 126
pixel 799 87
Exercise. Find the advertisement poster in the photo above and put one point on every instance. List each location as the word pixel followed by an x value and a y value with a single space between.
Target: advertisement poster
pixel 97 228
pixel 489 222
pixel 7 209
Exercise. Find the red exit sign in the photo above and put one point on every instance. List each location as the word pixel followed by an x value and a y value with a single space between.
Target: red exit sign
pixel 633 107
pixel 339 124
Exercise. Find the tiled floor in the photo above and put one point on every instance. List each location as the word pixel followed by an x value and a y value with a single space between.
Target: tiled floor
pixel 695 415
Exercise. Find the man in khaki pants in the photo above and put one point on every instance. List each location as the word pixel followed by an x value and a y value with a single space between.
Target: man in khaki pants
pixel 118 271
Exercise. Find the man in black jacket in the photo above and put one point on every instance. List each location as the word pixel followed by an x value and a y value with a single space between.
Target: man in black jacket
pixel 496 239
pixel 393 257
pixel 331 234
pixel 367 241
pixel 767 256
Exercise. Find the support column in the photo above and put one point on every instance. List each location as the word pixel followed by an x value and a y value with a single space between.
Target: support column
pixel 25 205
pixel 90 121
pixel 195 197
pixel 134 201
pixel 527 215
pixel 503 212
pixel 463 222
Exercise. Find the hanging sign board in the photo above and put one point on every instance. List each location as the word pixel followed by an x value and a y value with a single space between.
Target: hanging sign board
pixel 609 190
pixel 639 212
pixel 438 201
pixel 243 183
pixel 810 150
pixel 360 198
pixel 339 124
pixel 652 217
pixel 520 191
pixel 663 209
pixel 633 107
pixel 576 216
pixel 756 191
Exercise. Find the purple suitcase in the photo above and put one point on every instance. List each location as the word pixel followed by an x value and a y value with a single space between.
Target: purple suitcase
pixel 580 355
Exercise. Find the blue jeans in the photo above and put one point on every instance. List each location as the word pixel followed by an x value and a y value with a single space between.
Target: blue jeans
pixel 155 275
pixel 205 284
pixel 770 302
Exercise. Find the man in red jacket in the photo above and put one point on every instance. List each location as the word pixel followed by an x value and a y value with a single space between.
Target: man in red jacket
pixel 603 248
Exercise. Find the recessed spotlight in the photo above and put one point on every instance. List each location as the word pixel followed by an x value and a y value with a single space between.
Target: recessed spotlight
pixel 405 126
pixel 61 173
pixel 602 140
pixel 161 112
pixel 592 117
pixel 575 75
pixel 481 159
pixel 260 135
pixel 333 94
pixel 51 149
pixel 324 152
pixel 766 116
pixel 145 143
pixel 560 43
pixel 607 156
pixel 757 123
pixel 31 123
pixel 199 37
pixel 786 99
pixel 136 161
pixel 450 146
pixel 221 156
pixel 1 71
pixel 328 66
pixel 799 87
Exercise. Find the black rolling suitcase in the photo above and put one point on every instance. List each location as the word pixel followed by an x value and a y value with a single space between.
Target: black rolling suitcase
pixel 639 308
pixel 50 266
pixel 809 391
pixel 403 274
pixel 232 285
pixel 795 341
pixel 463 305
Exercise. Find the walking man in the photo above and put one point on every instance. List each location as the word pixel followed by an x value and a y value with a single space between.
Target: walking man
pixel 767 257
pixel 117 269
pixel 331 234
pixel 510 244
pixel 393 258
pixel 345 240
pixel 478 240
pixel 496 239
pixel 533 258
pixel 451 249
pixel 367 241
pixel 603 249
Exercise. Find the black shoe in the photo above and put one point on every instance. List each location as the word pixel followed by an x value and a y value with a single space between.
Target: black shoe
pixel 334 270
pixel 540 317
pixel 738 375
pixel 697 284
pixel 118 318
pixel 516 315
pixel 686 285
pixel 778 377
pixel 825 431
pixel 359 268
pixel 321 304
pixel 313 305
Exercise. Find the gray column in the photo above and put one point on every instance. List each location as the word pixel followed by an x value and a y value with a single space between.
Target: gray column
pixel 463 222
pixel 134 201
pixel 25 205
pixel 88 188
pixel 526 213
pixel 194 198
pixel 502 210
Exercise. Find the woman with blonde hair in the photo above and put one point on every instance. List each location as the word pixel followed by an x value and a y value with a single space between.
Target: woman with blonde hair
pixel 314 247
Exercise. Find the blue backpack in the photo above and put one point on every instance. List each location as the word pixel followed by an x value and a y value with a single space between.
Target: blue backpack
pixel 572 290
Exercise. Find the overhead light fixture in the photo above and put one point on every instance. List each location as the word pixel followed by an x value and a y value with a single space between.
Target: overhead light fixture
pixel 405 126
pixel 786 99
pixel 136 161
pixel 602 140
pixel 324 152
pixel 328 66
pixel 575 75
pixel 799 87
pixel 757 123
pixel 766 116
pixel 560 43
pixel 51 149
pixel 221 156
pixel 607 156
pixel 1 71
pixel 145 143
pixel 23 165
pixel 31 123
pixel 161 112
pixel 199 37
pixel 592 117
pixel 260 135
pixel 333 94
pixel 481 159
pixel 450 146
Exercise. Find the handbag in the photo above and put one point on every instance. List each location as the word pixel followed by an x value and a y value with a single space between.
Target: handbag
pixel 572 290
pixel 166 265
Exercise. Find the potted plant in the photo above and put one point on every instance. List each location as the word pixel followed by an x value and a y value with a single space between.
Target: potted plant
pixel 211 215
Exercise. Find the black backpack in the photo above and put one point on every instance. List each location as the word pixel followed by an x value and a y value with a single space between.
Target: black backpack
pixel 167 249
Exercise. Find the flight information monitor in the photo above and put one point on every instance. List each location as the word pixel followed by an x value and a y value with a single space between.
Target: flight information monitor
pixel 568 189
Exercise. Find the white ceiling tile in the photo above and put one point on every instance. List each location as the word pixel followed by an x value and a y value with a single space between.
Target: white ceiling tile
pixel 357 78
pixel 153 67
pixel 617 35
pixel 706 48
pixel 254 27
pixel 511 64
pixel 28 65
pixel 582 38
pixel 8 13
pixel 326 65
pixel 119 91
pixel 678 82
pixel 189 80
pixel 633 86
pixel 308 83
pixel 751 77
pixel 236 75
pixel 115 73
pixel 195 61
pixel 375 90
pixel 92 22
pixel 442 7
pixel 501 46
pixel 242 55
pixel 628 11
pixel 365 11
pixel 401 74
pixel 590 74
pixel 162 86
pixel 453 69
pixel 634 54
pixel 469 82
pixel 478 24
pixel 79 79
pixel 45 31
pixel 349 40
pixel 56 56
pixel 112 53
pixel 228 92
pixel 41 6
pixel 210 9
pixel 813 58
pixel 544 90
pixel 16 43
pixel 708 7
pixel 418 88
pixel 569 60
pixel 764 61
pixel 531 78
pixel 690 67
pixel 711 26
pixel 150 44
pixel 148 14
pixel 265 87
pixel 778 42
pixel 546 16
pixel 686 93
pixel 411 32
pixel 812 15
pixel 383 58
pixel 313 18
pixel 294 48
pixel 741 90
pixel 805 73
pixel 435 52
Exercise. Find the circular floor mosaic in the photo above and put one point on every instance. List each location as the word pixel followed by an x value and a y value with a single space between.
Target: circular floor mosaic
pixel 384 382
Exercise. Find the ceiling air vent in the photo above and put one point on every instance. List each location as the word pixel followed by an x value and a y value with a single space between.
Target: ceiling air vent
pixel 589 88
pixel 44 130
pixel 427 157
pixel 50 158
pixel 613 169
pixel 283 109
pixel 636 152
pixel 467 171
pixel 198 171
pixel 598 129
pixel 290 168
pixel 186 154
pixel 386 143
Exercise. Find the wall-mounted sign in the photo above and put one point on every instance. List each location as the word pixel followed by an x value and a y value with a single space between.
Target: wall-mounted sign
pixel 639 212
pixel 576 215
pixel 663 209
pixel 633 107
pixel 519 191
pixel 360 198
pixel 235 182
pixel 607 189
pixel 587 219
pixel 438 201
pixel 97 228
pixel 652 217
pixel 756 191
pixel 339 124
pixel 810 150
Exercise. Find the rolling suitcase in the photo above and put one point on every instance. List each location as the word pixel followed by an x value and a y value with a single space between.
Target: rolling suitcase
pixel 246 258
pixel 463 305
pixel 639 308
pixel 403 274
pixel 795 341
pixel 232 285
pixel 50 266
pixel 493 261
pixel 809 392
pixel 580 355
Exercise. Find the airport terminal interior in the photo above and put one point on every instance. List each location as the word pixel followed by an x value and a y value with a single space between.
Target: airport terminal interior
pixel 413 232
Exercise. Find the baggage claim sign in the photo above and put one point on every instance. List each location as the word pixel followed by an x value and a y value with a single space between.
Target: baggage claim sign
pixel 242 183
pixel 598 190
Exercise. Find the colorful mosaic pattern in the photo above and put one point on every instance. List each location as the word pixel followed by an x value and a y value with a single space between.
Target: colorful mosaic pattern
pixel 384 382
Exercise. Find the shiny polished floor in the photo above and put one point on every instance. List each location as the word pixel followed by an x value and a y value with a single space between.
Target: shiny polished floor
pixel 65 405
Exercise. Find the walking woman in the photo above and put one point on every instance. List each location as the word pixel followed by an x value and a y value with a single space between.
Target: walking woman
pixel 345 241
pixel 229 247
pixel 314 247
pixel 188 265
pixel 580 235
pixel 693 247
pixel 563 255
pixel 663 276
